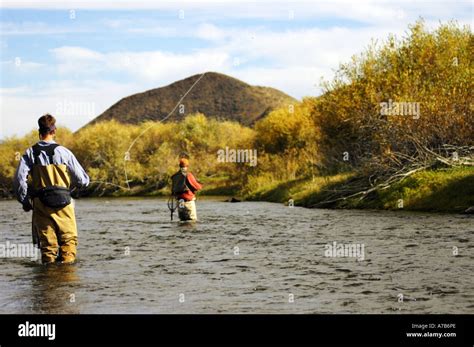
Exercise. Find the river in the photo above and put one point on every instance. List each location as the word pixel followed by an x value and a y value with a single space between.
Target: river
pixel 248 257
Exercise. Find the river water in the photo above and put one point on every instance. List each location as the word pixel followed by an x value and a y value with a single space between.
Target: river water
pixel 248 257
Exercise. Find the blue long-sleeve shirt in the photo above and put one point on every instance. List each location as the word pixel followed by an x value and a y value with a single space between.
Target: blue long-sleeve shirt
pixel 62 155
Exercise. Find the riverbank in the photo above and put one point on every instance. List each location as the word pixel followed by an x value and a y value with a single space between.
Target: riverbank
pixel 442 190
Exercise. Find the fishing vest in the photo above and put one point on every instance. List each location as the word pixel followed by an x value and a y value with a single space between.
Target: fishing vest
pixel 50 182
pixel 178 183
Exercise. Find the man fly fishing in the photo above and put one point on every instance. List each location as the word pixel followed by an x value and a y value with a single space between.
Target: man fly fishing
pixel 52 171
pixel 183 188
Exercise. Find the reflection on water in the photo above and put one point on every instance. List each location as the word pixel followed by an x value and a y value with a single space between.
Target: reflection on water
pixel 244 257
pixel 52 289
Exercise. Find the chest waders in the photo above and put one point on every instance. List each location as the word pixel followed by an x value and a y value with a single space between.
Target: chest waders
pixel 186 209
pixel 54 222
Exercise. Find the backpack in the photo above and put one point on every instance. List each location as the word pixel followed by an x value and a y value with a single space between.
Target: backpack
pixel 55 197
pixel 178 183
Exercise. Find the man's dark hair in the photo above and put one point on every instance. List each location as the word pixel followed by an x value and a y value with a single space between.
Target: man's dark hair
pixel 47 124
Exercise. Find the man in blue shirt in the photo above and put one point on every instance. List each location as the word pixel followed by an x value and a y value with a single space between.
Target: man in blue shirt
pixel 52 171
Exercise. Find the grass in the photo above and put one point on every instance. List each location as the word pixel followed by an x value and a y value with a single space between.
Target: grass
pixel 300 190
pixel 442 190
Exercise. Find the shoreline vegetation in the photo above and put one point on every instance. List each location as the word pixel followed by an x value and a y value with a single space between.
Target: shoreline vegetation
pixel 393 130
pixel 442 190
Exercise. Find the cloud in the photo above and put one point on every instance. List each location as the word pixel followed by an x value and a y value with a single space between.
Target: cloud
pixel 20 65
pixel 78 53
pixel 164 66
pixel 77 60
pixel 21 106
pixel 307 83
pixel 210 32
pixel 149 66
pixel 38 28
pixel 303 51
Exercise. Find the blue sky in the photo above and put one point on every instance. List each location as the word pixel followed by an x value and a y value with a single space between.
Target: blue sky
pixel 75 59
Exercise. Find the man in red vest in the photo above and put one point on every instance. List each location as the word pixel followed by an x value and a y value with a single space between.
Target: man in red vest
pixel 184 187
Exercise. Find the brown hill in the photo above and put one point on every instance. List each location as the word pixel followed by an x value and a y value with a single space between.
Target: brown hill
pixel 215 95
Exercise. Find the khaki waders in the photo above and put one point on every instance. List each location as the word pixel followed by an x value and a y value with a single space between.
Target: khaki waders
pixel 187 210
pixel 55 229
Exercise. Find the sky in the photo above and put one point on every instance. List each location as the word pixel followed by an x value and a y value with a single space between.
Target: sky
pixel 75 59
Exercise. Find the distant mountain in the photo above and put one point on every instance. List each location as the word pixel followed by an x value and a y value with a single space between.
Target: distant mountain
pixel 215 95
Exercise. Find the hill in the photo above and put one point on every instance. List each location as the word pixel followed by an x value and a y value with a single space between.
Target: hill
pixel 215 95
